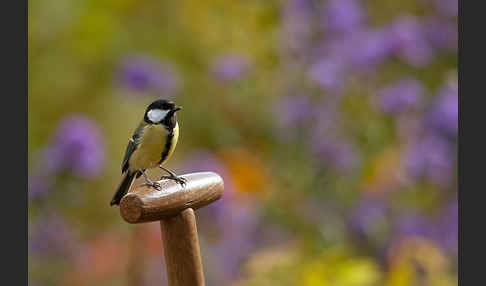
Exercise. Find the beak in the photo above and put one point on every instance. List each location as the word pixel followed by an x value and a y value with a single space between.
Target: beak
pixel 177 108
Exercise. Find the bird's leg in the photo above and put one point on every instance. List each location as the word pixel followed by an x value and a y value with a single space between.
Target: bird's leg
pixel 148 182
pixel 173 176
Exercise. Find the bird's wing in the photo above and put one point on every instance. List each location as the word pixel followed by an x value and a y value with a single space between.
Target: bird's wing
pixel 132 146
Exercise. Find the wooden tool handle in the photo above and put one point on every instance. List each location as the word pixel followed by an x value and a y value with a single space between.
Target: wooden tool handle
pixel 174 206
pixel 145 204
pixel 181 250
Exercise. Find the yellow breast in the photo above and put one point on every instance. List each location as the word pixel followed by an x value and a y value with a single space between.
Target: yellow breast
pixel 152 145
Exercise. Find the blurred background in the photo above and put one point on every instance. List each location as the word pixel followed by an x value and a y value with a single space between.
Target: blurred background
pixel 333 123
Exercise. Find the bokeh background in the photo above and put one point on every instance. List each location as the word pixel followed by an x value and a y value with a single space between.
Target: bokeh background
pixel 333 123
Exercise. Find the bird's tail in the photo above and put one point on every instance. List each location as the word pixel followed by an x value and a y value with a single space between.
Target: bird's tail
pixel 123 188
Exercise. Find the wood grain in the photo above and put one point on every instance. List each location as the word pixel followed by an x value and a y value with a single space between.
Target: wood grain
pixel 181 250
pixel 145 204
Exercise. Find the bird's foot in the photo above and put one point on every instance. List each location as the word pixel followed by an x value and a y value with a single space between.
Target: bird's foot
pixel 155 185
pixel 182 181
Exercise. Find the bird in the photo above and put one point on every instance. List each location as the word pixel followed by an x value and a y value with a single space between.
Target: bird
pixel 151 145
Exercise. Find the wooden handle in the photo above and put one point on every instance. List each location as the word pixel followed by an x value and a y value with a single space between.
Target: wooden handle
pixel 146 204
pixel 181 250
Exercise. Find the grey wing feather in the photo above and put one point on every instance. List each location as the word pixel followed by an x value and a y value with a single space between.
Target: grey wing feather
pixel 132 146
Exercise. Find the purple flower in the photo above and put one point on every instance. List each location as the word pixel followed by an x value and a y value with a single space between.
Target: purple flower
pixel 369 48
pixel 76 146
pixel 430 157
pixel 444 114
pixel 141 73
pixel 368 213
pixel 357 51
pixel 298 8
pixel 50 235
pixel 291 111
pixel 410 43
pixel 442 35
pixel 342 16
pixel 338 154
pixel 412 224
pixel 325 141
pixel 230 67
pixel 38 185
pixel 448 234
pixel 443 230
pixel 237 240
pixel 328 73
pixel 400 96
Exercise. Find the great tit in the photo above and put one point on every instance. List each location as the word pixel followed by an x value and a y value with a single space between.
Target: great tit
pixel 152 143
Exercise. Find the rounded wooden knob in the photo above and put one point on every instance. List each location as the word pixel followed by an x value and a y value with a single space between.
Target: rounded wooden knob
pixel 145 203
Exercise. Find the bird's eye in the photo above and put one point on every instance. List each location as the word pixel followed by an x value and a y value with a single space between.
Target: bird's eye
pixel 156 115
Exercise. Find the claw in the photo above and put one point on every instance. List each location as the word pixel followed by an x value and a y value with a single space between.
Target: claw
pixel 155 185
pixel 182 181
pixel 148 182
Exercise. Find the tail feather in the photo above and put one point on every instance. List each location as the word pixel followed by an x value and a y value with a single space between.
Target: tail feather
pixel 123 188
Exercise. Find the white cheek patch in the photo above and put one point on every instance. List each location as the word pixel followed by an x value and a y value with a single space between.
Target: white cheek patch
pixel 156 115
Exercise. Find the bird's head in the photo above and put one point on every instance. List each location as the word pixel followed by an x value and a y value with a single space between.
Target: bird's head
pixel 162 112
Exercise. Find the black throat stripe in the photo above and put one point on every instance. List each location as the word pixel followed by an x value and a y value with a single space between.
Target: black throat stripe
pixel 168 144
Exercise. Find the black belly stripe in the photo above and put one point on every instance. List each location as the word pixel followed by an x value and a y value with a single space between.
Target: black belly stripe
pixel 168 144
